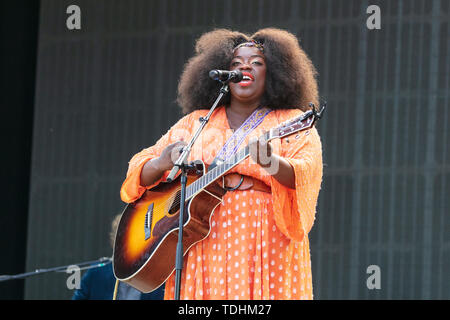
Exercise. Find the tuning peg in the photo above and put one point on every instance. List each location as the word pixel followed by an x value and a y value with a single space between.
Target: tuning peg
pixel 319 114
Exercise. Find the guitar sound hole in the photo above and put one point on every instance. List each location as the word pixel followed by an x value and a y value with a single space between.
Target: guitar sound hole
pixel 173 209
pixel 175 206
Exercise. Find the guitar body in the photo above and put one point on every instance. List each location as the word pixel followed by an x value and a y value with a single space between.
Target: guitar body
pixel 147 235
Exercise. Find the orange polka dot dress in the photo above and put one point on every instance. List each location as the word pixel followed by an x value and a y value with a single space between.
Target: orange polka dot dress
pixel 258 246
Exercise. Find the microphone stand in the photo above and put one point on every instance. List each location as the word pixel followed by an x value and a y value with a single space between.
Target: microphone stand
pixel 86 265
pixel 180 164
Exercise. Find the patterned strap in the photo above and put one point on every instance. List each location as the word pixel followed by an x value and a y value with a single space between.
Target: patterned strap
pixel 231 146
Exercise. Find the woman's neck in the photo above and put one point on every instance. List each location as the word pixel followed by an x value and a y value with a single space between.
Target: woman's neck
pixel 238 112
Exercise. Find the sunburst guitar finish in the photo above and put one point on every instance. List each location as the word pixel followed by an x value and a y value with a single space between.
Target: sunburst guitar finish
pixel 147 235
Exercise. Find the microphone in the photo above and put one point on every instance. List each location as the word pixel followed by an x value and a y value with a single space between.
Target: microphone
pixel 225 75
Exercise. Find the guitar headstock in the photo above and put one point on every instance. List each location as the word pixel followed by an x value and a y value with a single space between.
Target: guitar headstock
pixel 303 122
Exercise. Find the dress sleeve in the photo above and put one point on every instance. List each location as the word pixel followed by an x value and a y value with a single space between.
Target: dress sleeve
pixel 295 209
pixel 131 189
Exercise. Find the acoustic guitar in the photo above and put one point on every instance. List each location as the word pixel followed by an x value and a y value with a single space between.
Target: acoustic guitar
pixel 147 234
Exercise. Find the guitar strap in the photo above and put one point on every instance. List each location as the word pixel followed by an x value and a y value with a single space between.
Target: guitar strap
pixel 232 144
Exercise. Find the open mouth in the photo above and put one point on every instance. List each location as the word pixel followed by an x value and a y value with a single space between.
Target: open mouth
pixel 247 79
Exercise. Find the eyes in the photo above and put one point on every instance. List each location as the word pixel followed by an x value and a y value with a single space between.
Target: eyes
pixel 237 63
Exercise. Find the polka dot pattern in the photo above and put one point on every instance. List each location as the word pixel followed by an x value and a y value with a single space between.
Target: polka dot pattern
pixel 256 262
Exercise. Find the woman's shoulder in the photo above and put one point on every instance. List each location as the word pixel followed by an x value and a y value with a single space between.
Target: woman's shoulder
pixel 187 119
pixel 196 114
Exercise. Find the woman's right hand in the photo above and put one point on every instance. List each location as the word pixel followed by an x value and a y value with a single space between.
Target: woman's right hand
pixel 154 169
pixel 169 155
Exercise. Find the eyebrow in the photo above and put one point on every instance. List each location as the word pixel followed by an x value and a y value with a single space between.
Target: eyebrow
pixel 255 55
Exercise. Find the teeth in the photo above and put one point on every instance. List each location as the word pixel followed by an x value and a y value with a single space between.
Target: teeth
pixel 246 78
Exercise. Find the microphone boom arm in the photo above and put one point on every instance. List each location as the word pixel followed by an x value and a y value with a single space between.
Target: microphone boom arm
pixel 187 149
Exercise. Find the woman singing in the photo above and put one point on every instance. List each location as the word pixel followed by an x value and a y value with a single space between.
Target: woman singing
pixel 258 245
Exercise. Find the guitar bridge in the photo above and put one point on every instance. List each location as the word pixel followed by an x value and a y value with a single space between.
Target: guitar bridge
pixel 148 221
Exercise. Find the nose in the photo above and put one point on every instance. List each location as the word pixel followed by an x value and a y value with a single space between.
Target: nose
pixel 245 66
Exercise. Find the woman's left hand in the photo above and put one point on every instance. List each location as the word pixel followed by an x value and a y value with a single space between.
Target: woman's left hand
pixel 261 151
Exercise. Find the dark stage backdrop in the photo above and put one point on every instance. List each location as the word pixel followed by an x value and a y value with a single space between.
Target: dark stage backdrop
pixel 106 91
